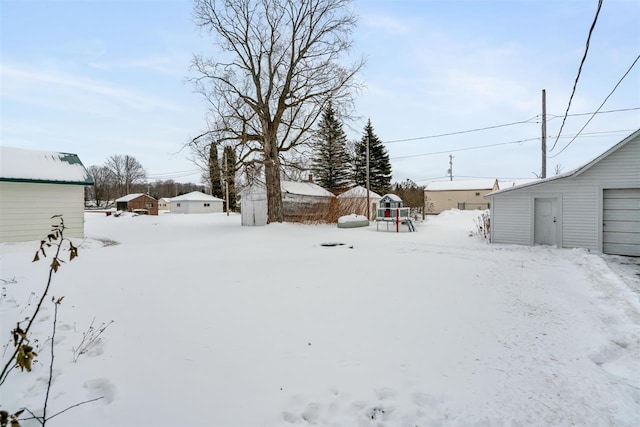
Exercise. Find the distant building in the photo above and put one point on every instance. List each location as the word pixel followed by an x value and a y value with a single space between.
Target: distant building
pixel 164 204
pixel 354 201
pixel 464 195
pixel 302 201
pixel 196 202
pixel 138 203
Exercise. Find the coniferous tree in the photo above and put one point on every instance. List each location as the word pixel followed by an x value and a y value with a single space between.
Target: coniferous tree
pixel 229 174
pixel 331 160
pixel 379 164
pixel 214 172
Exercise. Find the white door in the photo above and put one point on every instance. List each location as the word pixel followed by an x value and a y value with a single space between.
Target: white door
pixel 545 221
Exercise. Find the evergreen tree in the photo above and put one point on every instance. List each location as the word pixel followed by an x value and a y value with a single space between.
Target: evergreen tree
pixel 229 174
pixel 214 172
pixel 379 164
pixel 331 160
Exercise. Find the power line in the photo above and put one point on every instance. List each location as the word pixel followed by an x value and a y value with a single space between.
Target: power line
pixel 462 131
pixel 575 84
pixel 465 149
pixel 594 114
pixel 431 179
pixel 597 112
pixel 505 125
pixel 585 135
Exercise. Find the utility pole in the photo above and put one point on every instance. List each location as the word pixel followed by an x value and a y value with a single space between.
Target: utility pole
pixel 226 181
pixel 368 201
pixel 543 174
pixel 450 171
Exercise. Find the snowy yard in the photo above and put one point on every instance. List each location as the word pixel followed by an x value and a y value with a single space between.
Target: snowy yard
pixel 222 325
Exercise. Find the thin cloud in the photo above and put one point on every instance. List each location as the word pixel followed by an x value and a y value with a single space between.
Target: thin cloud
pixel 389 25
pixel 16 80
pixel 165 65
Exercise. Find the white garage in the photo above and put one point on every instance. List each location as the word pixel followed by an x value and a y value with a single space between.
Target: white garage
pixel 596 206
pixel 196 203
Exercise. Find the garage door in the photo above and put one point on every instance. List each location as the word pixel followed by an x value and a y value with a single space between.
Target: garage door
pixel 621 222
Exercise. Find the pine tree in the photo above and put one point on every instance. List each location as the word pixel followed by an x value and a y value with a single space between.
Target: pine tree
pixel 331 160
pixel 229 174
pixel 379 164
pixel 214 172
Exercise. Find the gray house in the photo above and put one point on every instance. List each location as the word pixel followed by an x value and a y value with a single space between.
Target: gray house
pixel 596 206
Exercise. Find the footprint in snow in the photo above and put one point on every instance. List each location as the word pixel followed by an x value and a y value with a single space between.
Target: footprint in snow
pixel 100 387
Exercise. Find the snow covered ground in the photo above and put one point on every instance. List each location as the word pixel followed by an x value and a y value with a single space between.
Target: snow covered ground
pixel 222 325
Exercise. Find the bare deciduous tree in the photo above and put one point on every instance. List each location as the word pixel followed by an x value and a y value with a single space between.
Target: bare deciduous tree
pixel 126 171
pixel 278 68
pixel 102 184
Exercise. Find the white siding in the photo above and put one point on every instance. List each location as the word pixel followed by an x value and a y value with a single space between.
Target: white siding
pixel 511 219
pixel 196 206
pixel 580 197
pixel 26 210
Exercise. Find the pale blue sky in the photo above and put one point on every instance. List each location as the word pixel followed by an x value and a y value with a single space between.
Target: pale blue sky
pixel 108 77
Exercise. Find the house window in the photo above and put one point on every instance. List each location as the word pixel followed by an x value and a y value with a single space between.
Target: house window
pixel 206 205
pixel 477 194
pixel 149 205
pixel 178 205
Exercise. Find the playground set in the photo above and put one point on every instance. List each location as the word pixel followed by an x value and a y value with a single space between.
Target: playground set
pixel 392 213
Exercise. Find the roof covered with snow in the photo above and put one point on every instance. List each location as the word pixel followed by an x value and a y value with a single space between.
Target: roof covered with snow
pixel 575 172
pixel 20 165
pixel 130 197
pixel 476 184
pixel 513 183
pixel 359 191
pixel 393 197
pixel 304 189
pixel 195 196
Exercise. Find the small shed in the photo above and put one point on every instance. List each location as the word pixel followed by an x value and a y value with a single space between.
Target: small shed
pixel 596 206
pixel 164 204
pixel 354 201
pixel 301 201
pixel 138 203
pixel 36 185
pixel 253 205
pixel 196 202
pixel 464 195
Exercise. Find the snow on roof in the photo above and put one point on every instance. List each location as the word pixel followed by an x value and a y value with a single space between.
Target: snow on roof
pixel 393 197
pixel 575 172
pixel 129 197
pixel 359 191
pixel 513 183
pixel 20 165
pixel 304 189
pixel 476 184
pixel 195 196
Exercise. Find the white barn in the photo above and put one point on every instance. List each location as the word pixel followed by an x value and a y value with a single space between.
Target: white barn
pixel 196 202
pixel 596 206
pixel 36 185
